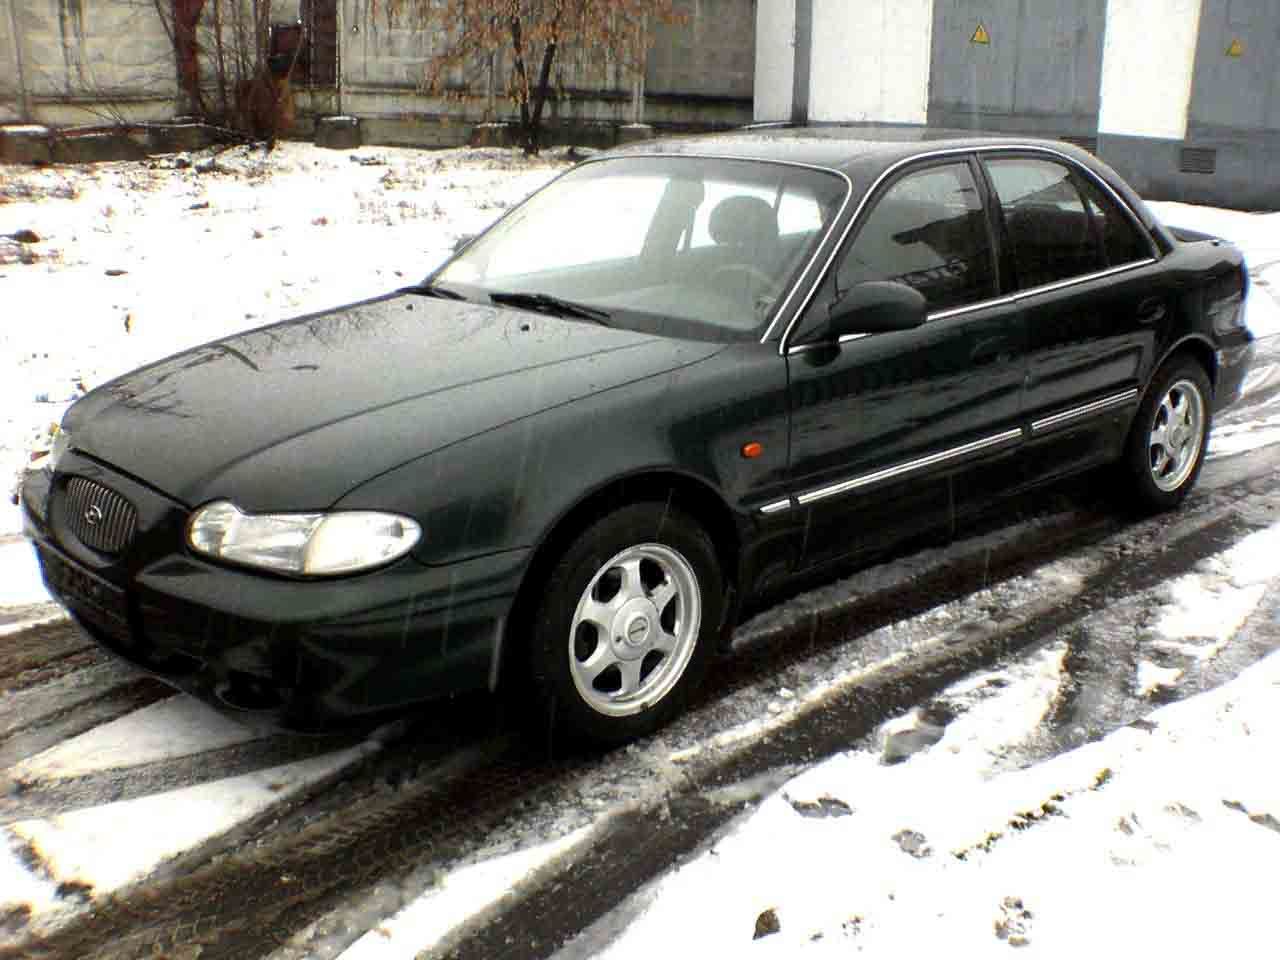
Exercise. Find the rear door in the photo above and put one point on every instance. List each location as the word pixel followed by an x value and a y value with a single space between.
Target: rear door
pixel 882 423
pixel 1094 300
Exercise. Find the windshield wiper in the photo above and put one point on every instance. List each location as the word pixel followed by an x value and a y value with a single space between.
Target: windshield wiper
pixel 546 303
pixel 431 290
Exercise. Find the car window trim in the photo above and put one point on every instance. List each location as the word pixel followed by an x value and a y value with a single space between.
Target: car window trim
pixel 614 158
pixel 1007 300
pixel 1075 169
pixel 780 308
pixel 978 153
pixel 977 176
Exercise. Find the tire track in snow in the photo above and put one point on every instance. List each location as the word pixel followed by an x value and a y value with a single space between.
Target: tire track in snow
pixel 43 799
pixel 630 856
pixel 65 721
pixel 43 652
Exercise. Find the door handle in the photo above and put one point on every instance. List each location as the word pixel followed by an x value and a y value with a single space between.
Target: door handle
pixel 991 350
pixel 1152 310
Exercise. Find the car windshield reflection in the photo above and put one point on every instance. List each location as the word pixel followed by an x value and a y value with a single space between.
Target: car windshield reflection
pixel 709 244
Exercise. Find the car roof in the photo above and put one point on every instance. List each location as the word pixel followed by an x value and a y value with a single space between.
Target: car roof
pixel 862 152
pixel 848 148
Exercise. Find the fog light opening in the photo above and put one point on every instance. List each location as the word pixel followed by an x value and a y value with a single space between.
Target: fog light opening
pixel 243 691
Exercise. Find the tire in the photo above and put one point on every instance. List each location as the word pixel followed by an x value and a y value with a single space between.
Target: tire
pixel 627 624
pixel 1166 444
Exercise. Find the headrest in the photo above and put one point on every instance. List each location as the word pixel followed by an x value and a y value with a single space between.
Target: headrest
pixel 739 221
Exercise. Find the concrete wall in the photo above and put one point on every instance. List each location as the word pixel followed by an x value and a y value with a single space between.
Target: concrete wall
pixel 90 61
pixel 698 74
pixel 86 61
pixel 1040 69
pixel 710 56
pixel 1226 147
pixel 1181 96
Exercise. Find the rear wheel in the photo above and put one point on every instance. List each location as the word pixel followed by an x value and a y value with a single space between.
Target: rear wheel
pixel 1169 436
pixel 627 623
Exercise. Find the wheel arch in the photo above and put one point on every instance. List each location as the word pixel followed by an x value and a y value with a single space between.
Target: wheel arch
pixel 695 495
pixel 1198 348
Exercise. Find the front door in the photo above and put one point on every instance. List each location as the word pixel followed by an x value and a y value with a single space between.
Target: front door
pixel 882 423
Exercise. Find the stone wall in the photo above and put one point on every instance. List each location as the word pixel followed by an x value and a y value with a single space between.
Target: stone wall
pixel 88 61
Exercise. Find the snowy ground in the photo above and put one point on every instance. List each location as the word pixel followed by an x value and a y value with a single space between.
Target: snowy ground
pixel 1150 841
pixel 853 854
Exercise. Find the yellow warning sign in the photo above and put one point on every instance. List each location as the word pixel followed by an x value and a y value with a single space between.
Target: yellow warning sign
pixel 980 36
pixel 1236 49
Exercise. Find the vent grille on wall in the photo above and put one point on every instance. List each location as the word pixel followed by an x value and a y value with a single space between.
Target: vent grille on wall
pixel 1084 143
pixel 1198 160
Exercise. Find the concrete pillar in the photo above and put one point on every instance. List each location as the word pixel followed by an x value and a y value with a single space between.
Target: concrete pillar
pixel 802 66
pixel 774 61
pixel 1147 67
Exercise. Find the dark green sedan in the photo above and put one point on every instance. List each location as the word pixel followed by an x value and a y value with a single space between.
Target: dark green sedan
pixel 677 378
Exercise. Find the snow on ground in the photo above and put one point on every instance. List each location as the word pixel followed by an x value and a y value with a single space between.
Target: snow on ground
pixel 1151 841
pixel 177 727
pixel 20 580
pixel 464 892
pixel 104 848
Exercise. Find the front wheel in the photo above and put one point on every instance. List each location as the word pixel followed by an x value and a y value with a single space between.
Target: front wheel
pixel 1170 434
pixel 627 623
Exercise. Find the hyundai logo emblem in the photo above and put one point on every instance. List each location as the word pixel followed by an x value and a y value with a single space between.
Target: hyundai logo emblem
pixel 93 516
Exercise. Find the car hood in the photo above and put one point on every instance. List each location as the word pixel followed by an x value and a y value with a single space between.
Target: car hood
pixel 295 415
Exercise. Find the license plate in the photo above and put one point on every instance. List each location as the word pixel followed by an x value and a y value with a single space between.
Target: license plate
pixel 86 594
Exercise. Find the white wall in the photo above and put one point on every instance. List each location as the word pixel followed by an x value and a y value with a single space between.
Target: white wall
pixel 870 60
pixel 1148 61
pixel 775 59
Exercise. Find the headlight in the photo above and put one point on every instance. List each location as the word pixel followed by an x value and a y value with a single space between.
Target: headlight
pixel 61 444
pixel 48 460
pixel 302 544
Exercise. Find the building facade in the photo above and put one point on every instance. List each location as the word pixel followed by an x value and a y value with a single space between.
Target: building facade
pixel 83 62
pixel 1181 96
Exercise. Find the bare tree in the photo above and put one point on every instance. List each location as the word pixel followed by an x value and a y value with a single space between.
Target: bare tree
pixel 532 34
pixel 222 53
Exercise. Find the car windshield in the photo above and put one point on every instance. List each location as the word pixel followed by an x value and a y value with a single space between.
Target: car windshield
pixel 680 245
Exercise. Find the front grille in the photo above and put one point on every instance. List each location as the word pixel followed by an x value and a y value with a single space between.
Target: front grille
pixel 99 517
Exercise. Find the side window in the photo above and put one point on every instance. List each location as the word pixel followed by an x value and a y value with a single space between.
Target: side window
pixel 1121 240
pixel 1048 225
pixel 927 231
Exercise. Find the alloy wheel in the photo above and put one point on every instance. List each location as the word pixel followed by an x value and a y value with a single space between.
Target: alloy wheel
pixel 1177 433
pixel 635 629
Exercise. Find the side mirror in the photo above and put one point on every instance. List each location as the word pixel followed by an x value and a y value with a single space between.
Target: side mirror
pixel 877 306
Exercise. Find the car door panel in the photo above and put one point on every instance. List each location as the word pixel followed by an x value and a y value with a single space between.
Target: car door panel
pixel 879 426
pixel 882 423
pixel 1093 299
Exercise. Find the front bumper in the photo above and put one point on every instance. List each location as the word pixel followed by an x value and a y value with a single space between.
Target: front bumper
pixel 307 655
